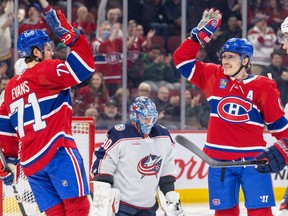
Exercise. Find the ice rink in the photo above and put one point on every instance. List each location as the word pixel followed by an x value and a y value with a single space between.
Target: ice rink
pixel 202 209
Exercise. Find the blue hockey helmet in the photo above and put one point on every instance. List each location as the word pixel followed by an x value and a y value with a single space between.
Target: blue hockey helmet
pixel 29 39
pixel 239 45
pixel 144 114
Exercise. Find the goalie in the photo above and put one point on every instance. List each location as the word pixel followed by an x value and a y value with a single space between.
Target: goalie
pixel 135 159
pixel 241 105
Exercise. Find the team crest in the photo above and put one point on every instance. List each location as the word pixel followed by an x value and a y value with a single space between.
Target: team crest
pixel 149 165
pixel 223 83
pixel 119 127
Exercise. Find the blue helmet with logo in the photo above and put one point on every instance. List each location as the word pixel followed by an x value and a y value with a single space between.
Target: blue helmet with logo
pixel 239 45
pixel 144 114
pixel 29 39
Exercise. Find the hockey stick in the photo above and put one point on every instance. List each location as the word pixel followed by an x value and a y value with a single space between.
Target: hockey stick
pixel 214 163
pixel 15 191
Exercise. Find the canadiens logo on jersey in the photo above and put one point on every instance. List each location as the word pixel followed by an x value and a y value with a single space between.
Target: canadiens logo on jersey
pixel 234 109
pixel 149 165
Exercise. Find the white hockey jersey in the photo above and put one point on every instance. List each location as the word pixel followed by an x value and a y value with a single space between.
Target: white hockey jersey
pixel 136 163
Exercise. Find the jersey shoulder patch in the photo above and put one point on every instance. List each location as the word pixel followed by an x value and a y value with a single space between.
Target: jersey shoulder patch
pixel 119 127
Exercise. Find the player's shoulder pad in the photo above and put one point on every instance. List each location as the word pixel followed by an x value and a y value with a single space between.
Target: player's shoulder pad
pixel 159 130
pixel 121 131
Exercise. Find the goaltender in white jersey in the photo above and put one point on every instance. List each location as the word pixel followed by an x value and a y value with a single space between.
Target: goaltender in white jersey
pixel 136 158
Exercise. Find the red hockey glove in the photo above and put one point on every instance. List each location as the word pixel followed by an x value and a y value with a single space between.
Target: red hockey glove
pixel 5 173
pixel 277 156
pixel 209 23
pixel 60 26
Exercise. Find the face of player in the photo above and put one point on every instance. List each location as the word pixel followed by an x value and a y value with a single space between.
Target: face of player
pixel 231 63
pixel 285 42
pixel 48 51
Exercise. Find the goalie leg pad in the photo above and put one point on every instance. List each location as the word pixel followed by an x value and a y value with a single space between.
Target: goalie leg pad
pixel 106 199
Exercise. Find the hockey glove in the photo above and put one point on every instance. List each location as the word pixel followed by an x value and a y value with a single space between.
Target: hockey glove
pixel 6 174
pixel 170 203
pixel 209 23
pixel 60 26
pixel 277 156
pixel 106 199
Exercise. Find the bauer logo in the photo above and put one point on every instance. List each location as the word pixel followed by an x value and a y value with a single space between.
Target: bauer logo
pixel 216 202
pixel 28 33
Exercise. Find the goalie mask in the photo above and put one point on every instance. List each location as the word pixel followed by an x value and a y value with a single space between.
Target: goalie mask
pixel 144 114
pixel 30 39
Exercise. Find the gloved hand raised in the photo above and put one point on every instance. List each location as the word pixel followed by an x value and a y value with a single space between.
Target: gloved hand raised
pixel 60 26
pixel 277 156
pixel 211 20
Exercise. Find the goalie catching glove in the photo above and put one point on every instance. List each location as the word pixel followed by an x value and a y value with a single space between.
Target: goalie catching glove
pixel 211 20
pixel 9 173
pixel 277 156
pixel 60 26
pixel 106 199
pixel 170 203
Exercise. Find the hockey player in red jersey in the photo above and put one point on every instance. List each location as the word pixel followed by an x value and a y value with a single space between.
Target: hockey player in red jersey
pixel 241 104
pixel 37 112
pixel 277 154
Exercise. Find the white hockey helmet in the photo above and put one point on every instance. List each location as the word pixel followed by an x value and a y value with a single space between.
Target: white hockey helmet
pixel 20 66
pixel 284 26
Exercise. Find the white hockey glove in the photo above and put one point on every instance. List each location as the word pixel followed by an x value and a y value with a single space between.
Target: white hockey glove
pixel 283 212
pixel 211 20
pixel 170 203
pixel 106 199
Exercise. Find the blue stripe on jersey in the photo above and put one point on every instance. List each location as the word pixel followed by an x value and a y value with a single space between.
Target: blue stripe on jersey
pixel 78 67
pixel 6 126
pixel 277 125
pixel 39 156
pixel 186 69
pixel 99 58
pixel 237 149
pixel 47 106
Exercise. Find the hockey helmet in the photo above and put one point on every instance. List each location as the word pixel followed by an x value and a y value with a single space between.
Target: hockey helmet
pixel 29 39
pixel 239 45
pixel 144 114
pixel 284 26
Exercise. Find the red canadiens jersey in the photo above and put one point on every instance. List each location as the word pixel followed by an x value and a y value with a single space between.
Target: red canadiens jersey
pixel 108 59
pixel 37 107
pixel 239 109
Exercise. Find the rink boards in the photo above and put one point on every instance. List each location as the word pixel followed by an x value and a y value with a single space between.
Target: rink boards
pixel 192 171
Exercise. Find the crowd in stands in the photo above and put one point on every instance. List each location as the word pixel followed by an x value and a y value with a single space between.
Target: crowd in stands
pixel 154 29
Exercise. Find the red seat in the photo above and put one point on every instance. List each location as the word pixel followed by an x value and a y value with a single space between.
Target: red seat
pixel 158 40
pixel 172 43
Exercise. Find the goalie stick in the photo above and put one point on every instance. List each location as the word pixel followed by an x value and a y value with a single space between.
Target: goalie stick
pixel 15 191
pixel 214 163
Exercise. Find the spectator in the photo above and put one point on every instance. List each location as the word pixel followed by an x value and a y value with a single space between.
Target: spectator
pixel 35 19
pixel 91 112
pixel 172 11
pixel 118 98
pixel 279 73
pixel 3 82
pixel 61 51
pixel 107 49
pixel 162 102
pixel 157 68
pixel 94 94
pixel 276 14
pixel 6 10
pixel 136 45
pixel 154 17
pixel 263 39
pixel 109 117
pixel 144 89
